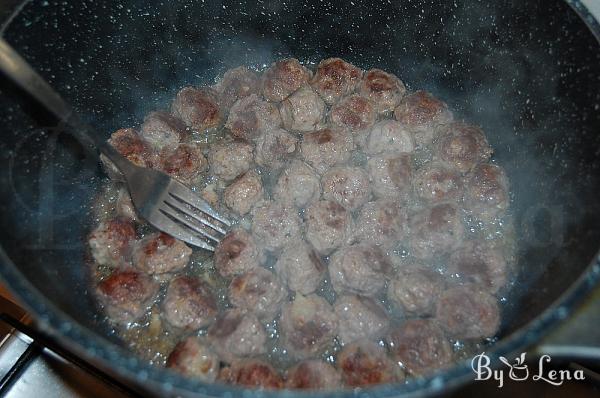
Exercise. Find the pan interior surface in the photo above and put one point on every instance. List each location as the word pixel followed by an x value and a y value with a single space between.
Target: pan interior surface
pixel 526 71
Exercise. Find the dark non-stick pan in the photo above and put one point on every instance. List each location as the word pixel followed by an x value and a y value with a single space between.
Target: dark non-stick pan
pixel 527 71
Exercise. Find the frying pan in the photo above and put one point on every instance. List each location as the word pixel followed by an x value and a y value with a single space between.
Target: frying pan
pixel 527 71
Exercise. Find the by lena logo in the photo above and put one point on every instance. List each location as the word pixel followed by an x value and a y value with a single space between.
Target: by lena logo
pixel 519 371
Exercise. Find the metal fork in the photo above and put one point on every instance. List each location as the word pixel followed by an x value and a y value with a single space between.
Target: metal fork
pixel 165 203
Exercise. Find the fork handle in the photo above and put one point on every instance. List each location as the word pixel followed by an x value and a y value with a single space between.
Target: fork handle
pixel 19 71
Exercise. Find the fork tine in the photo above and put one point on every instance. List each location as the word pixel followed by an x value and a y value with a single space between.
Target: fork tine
pixel 191 211
pixel 181 216
pixel 185 195
pixel 168 225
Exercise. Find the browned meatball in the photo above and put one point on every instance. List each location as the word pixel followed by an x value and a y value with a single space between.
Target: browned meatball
pixel 487 191
pixel 364 363
pixel 185 162
pixel 435 183
pixel 230 159
pixel 326 148
pixel 391 176
pixel 258 291
pixel 298 184
pixel 300 267
pixel 308 326
pixel 110 242
pixel 237 83
pixel 237 253
pixel 328 226
pixel 244 193
pixel 159 253
pixel 124 206
pixel 335 78
pixel 126 295
pixel 275 224
pixel 189 303
pixel 236 334
pixel 383 89
pixel 252 373
pixel 461 146
pixel 302 111
pixel 466 312
pixel 419 345
pixel 415 290
pixel 356 113
pixel 360 269
pixel 360 318
pixel 162 129
pixel 382 223
pixel 283 78
pixel 313 374
pixel 274 147
pixel 198 108
pixel 478 263
pixel 348 186
pixel 250 116
pixel 436 230
pixel 193 357
pixel 129 144
pixel 421 113
pixel 389 136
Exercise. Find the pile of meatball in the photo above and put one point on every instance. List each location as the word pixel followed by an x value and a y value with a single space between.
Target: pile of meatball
pixel 351 194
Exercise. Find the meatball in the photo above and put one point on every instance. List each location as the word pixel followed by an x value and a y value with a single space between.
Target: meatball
pixel 258 291
pixel 487 191
pixel 162 129
pixel 124 206
pixel 477 263
pixel 159 253
pixel 275 224
pixel 283 78
pixel 360 318
pixel 193 357
pixel 126 295
pixel 383 89
pixel 415 290
pixel 360 269
pixel 302 111
pixel 298 184
pixel 382 223
pixel 236 334
pixel 300 267
pixel 308 326
pixel 421 113
pixel 348 186
pixel 436 230
pixel 198 108
pixel 184 162
pixel 244 193
pixel 389 136
pixel 250 116
pixel 252 373
pixel 365 363
pixel 326 148
pixel 110 241
pixel 466 312
pixel 461 146
pixel 391 176
pixel 237 83
pixel 274 147
pixel 419 345
pixel 435 183
pixel 356 113
pixel 230 159
pixel 313 374
pixel 237 253
pixel 189 303
pixel 129 144
pixel 335 79
pixel 328 226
